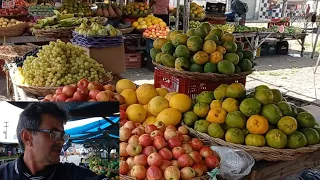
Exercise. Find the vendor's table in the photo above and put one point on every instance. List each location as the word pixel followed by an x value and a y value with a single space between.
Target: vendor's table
pixel 280 170
pixel 138 38
pixel 24 39
pixel 261 37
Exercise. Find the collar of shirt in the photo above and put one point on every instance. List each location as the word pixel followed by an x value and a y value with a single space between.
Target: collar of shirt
pixel 22 170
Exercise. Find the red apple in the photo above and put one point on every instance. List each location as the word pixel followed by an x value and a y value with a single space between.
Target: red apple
pixel 83 83
pixel 160 125
pixel 111 94
pixel 138 125
pixel 156 133
pixel 196 144
pixel 45 100
pixel 175 163
pixel 125 134
pixel 130 125
pixel 177 151
pixel 123 149
pixel 123 107
pixel 212 162
pixel 134 149
pixel 85 91
pixel 170 133
pixel 187 173
pixel 69 90
pixel 186 138
pixel 145 140
pixel 61 98
pixel 165 164
pixel 196 157
pixel 148 150
pixel 49 97
pixel 198 168
pixel 133 139
pixel 122 122
pixel 94 85
pixel 140 159
pixel 204 166
pixel 92 100
pixel 123 115
pixel 180 136
pixel 79 96
pixel 174 142
pixel 93 93
pixel 59 90
pixel 70 100
pixel 159 142
pixel 187 148
pixel 183 130
pixel 154 173
pixel 149 128
pixel 171 127
pixel 185 160
pixel 166 154
pixel 109 87
pixel 206 151
pixel 103 96
pixel 172 172
pixel 119 98
pixel 138 172
pixel 138 131
pixel 130 162
pixel 155 159
pixel 123 167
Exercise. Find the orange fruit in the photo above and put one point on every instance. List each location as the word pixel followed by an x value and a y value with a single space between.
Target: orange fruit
pixel 257 124
pixel 221 49
pixel 216 57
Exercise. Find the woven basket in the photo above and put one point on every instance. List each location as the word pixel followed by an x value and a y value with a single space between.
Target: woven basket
pixel 55 33
pixel 197 19
pixel 202 76
pixel 127 30
pixel 205 177
pixel 13 31
pixel 258 153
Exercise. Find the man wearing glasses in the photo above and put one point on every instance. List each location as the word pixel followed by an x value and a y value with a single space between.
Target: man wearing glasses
pixel 41 136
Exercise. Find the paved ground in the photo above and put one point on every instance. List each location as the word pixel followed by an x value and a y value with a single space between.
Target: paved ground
pixel 72 159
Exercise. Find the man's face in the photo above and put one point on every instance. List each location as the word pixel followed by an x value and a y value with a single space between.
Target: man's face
pixel 46 149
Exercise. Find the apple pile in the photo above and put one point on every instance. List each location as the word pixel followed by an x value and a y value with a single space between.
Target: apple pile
pixel 156 31
pixel 157 152
pixel 85 91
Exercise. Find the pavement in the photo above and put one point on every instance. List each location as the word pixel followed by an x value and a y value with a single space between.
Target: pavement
pixel 72 159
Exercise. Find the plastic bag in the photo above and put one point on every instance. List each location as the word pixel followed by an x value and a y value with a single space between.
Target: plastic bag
pixel 235 163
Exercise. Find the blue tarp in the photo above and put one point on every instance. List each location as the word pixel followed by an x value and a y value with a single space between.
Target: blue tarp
pixel 92 130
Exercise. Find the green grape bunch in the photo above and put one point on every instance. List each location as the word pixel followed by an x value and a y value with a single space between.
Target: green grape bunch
pixel 60 64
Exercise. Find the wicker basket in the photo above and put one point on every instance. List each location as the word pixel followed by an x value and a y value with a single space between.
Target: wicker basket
pixel 13 31
pixel 202 76
pixel 127 30
pixel 38 91
pixel 205 177
pixel 258 153
pixel 55 33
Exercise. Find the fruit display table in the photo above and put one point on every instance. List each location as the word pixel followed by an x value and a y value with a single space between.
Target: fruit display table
pixel 24 39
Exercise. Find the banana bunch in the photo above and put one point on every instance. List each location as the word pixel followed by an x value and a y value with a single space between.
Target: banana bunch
pixel 229 28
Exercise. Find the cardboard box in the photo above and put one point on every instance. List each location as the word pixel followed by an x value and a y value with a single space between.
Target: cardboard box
pixel 113 58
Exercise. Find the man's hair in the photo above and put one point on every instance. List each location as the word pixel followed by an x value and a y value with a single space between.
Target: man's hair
pixel 31 117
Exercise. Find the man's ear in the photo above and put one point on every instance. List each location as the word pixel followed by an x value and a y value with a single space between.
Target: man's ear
pixel 26 137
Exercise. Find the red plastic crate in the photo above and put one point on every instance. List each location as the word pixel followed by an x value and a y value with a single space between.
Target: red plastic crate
pixel 133 59
pixel 192 88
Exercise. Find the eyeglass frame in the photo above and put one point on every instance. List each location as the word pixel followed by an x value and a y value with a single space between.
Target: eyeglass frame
pixel 61 134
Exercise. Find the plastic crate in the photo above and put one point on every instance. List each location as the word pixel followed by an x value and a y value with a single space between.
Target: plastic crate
pixel 192 88
pixel 215 8
pixel 282 48
pixel 133 59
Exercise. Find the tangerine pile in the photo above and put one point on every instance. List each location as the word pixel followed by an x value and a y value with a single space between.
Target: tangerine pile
pixel 260 118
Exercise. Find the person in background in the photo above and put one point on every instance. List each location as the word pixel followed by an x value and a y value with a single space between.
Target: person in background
pixel 65 155
pixel 161 9
pixel 41 136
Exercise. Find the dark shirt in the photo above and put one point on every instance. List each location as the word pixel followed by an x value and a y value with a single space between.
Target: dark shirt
pixel 17 170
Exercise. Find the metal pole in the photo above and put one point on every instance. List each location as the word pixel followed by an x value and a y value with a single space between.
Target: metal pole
pixel 177 15
pixel 284 8
pixel 315 42
pixel 6 132
pixel 316 10
pixel 186 15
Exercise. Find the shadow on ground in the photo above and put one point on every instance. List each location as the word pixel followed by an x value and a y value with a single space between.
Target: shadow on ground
pixel 276 62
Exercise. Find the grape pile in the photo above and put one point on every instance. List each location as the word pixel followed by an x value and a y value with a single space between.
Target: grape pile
pixel 60 64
